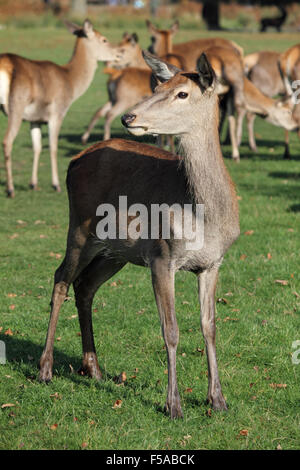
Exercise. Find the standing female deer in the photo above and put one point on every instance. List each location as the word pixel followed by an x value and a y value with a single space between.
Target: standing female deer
pixel 42 92
pixel 186 105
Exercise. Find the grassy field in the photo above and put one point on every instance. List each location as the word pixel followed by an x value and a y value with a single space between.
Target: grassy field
pixel 257 317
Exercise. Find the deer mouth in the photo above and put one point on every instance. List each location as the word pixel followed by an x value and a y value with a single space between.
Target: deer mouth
pixel 137 130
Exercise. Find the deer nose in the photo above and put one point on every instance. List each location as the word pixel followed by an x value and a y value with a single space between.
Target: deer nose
pixel 128 119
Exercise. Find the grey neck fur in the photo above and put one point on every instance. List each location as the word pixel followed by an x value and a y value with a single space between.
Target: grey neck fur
pixel 207 175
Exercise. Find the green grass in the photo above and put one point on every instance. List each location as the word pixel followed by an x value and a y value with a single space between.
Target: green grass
pixel 255 328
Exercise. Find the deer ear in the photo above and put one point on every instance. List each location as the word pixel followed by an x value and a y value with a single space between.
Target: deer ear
pixel 87 27
pixel 161 69
pixel 206 72
pixel 72 27
pixel 150 26
pixel 175 27
pixel 134 38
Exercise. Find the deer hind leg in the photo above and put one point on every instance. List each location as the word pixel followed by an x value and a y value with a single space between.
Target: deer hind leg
pixel 79 254
pixel 250 126
pixel 102 112
pixel 36 137
pixel 207 281
pixel 163 286
pixel 239 131
pixel 85 286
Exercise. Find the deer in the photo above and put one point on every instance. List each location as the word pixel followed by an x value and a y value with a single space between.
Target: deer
pixel 43 91
pixel 262 70
pixel 276 22
pixel 183 104
pixel 162 43
pixel 289 66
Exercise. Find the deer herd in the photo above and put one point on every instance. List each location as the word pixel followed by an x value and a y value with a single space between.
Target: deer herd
pixel 184 90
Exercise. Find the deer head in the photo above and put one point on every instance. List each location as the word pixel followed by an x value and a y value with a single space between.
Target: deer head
pixel 281 114
pixel 179 100
pixel 97 45
pixel 161 40
pixel 129 50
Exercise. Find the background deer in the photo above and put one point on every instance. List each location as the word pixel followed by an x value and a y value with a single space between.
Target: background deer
pixel 289 64
pixel 263 71
pixel 42 92
pixel 184 104
pixel 162 43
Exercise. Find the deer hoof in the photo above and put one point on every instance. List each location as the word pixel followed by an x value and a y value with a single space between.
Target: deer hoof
pixel 45 371
pixel 84 138
pixel 91 368
pixel 56 188
pixel 218 403
pixel 33 186
pixel 174 410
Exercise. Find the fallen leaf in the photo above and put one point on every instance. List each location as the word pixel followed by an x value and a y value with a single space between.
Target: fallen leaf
pixel 244 432
pixel 117 404
pixel 279 447
pixel 56 395
pixel 297 295
pixel 53 427
pixel 221 300
pixel 7 405
pixel 13 236
pixel 269 256
pixel 282 282
pixel 249 232
pixel 8 332
pixel 84 445
pixel 11 295
pixel 12 307
pixel 243 257
pixel 273 385
pixel 188 390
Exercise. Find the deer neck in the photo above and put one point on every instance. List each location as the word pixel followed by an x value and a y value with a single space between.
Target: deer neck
pixel 256 101
pixel 208 179
pixel 81 69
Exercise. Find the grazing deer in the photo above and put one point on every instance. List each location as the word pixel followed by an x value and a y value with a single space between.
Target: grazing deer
pixel 277 112
pixel 184 104
pixel 263 71
pixel 289 65
pixel 162 43
pixel 42 92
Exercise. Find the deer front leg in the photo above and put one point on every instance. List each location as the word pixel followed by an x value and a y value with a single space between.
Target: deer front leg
pixel 14 123
pixel 163 285
pixel 54 128
pixel 207 281
pixel 102 112
pixel 36 137
pixel 286 154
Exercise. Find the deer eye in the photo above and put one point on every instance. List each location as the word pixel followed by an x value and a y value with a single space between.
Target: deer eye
pixel 182 95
